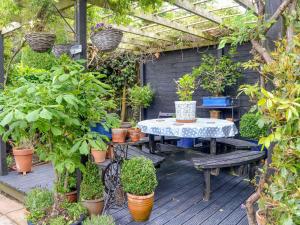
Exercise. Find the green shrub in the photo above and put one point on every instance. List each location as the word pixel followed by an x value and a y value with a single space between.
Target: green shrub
pixel 91 187
pixel 100 220
pixel 74 211
pixel 249 126
pixel 71 183
pixel 37 202
pixel 186 87
pixel 138 176
pixel 60 220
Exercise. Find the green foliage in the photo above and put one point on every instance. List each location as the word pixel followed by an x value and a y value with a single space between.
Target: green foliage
pixel 37 202
pixel 140 97
pixel 66 182
pixel 57 114
pixel 97 220
pixel 249 126
pixel 74 211
pixel 217 73
pixel 280 109
pixel 138 176
pixel 9 161
pixel 60 220
pixel 9 10
pixel 37 60
pixel 91 187
pixel 186 87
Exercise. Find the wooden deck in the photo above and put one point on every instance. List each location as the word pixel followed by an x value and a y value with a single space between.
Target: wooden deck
pixel 178 198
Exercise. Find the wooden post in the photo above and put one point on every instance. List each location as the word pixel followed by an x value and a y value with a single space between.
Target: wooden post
pixel 143 111
pixel 3 164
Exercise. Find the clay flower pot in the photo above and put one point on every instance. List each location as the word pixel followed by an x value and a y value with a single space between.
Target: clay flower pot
pixel 214 114
pixel 71 196
pixel 99 155
pixel 119 135
pixel 23 158
pixel 140 207
pixel 261 217
pixel 94 207
pixel 135 136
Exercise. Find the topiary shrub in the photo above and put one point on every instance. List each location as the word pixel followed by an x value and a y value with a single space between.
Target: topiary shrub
pixel 138 176
pixel 37 202
pixel 97 220
pixel 249 126
pixel 91 187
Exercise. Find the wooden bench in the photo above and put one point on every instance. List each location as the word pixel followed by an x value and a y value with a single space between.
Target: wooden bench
pixel 237 144
pixel 237 158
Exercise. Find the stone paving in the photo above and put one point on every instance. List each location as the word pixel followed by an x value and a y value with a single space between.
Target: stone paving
pixel 11 212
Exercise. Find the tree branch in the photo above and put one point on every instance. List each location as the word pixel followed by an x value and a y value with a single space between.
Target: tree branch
pixel 277 14
pixel 262 51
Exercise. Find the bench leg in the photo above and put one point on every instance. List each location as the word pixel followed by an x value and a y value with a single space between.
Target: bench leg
pixel 252 167
pixel 206 191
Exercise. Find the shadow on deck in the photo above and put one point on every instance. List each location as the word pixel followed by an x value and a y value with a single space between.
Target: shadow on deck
pixel 178 198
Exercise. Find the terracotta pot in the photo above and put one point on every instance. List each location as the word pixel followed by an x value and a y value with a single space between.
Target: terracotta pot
pixel 94 207
pixel 229 119
pixel 214 114
pixel 71 196
pixel 135 136
pixel 140 207
pixel 99 155
pixel 261 217
pixel 110 152
pixel 119 135
pixel 23 158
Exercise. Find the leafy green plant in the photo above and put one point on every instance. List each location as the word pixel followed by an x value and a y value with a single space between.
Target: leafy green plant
pixel 91 187
pixel 138 176
pixel 186 87
pixel 249 127
pixel 74 211
pixel 97 220
pixel 9 160
pixel 66 182
pixel 215 74
pixel 38 201
pixel 140 97
pixel 60 220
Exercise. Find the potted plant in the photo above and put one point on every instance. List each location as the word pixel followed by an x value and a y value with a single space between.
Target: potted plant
pixel 106 38
pixel 38 39
pixel 215 74
pixel 100 220
pixel 139 181
pixel 66 185
pixel 23 152
pixel 185 108
pixel 92 190
pixel 250 129
pixel 99 154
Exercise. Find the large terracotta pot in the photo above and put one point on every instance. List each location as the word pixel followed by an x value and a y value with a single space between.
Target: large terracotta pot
pixel 119 135
pixel 140 207
pixel 261 217
pixel 185 111
pixel 94 207
pixel 23 158
pixel 99 155
pixel 71 196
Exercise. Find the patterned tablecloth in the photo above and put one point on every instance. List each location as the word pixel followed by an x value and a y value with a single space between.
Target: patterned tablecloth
pixel 205 128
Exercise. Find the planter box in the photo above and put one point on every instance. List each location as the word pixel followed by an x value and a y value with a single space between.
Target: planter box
pixel 185 143
pixel 216 101
pixel 101 130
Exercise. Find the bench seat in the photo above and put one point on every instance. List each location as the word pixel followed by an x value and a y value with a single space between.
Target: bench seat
pixel 237 158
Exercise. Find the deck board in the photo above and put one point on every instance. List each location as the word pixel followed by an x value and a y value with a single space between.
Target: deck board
pixel 178 197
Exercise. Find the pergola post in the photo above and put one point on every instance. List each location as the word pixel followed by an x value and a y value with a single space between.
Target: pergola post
pixel 81 28
pixel 3 164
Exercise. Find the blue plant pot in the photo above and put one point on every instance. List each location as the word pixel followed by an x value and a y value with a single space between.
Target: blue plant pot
pixel 216 101
pixel 101 130
pixel 185 143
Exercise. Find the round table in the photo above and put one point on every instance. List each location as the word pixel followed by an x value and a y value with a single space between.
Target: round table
pixel 202 128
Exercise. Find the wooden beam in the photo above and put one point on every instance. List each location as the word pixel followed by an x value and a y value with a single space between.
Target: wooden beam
pixel 247 4
pixel 10 28
pixel 133 41
pixel 138 32
pixel 176 26
pixel 197 11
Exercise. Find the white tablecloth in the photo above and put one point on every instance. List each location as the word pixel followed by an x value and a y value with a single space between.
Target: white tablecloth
pixel 203 127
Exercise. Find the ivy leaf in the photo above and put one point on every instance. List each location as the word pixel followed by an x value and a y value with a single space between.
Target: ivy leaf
pixel 7 119
pixel 33 116
pixel 84 148
pixel 45 114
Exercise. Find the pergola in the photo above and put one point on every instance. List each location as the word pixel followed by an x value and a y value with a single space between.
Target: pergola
pixel 179 24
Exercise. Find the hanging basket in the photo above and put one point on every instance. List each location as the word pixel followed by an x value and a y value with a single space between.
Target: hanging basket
pixel 107 40
pixel 59 50
pixel 40 42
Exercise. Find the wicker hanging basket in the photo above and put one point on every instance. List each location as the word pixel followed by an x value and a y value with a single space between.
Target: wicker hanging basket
pixel 40 42
pixel 59 50
pixel 107 40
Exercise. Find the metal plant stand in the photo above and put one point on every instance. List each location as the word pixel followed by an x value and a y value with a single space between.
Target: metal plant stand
pixel 114 194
